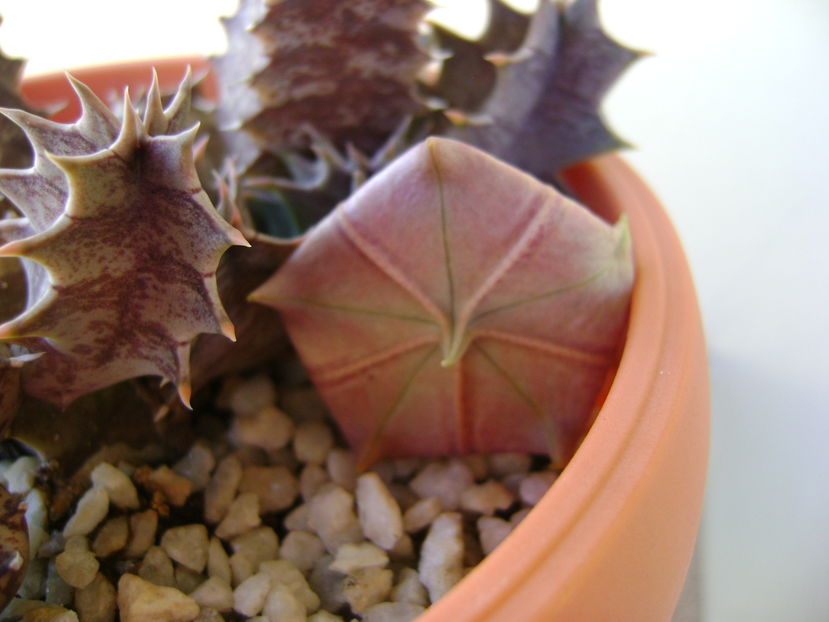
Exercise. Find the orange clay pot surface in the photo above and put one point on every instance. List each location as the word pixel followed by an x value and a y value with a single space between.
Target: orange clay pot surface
pixel 612 539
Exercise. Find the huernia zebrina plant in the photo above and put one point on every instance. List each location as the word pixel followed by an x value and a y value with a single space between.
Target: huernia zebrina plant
pixel 385 184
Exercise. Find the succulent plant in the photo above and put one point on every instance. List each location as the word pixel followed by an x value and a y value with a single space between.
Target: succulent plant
pixel 131 258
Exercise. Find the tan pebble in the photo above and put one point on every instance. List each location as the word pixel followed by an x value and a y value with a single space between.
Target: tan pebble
pixel 506 463
pixel 214 593
pixel 535 486
pixel 403 549
pixel 351 557
pixel 249 596
pixel 111 537
pixel 119 486
pixel 341 468
pixel 221 489
pixel 77 565
pixel 512 482
pixel 486 498
pixel 297 519
pixel 409 589
pixel 312 442
pixel 421 514
pixel 311 479
pixel 276 486
pixel 141 601
pixel 380 516
pixel 283 572
pixel 173 486
pixel 282 605
pixel 218 562
pixel 324 616
pixel 392 612
pixel 49 613
pixel 492 531
pixel 367 587
pixel 209 614
pixel 58 591
pixel 187 580
pixel 242 516
pixel 187 545
pixel 441 555
pixel 196 465
pixel 331 516
pixel 143 526
pixel 157 567
pixel 96 602
pixel 258 545
pixel 91 509
pixel 302 548
pixel 445 480
pixel 251 395
pixel 268 428
pixel 403 495
pixel 303 404
pixel 241 567
pixel 478 465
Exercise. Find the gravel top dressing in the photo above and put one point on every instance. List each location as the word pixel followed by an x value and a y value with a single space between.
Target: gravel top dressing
pixel 265 517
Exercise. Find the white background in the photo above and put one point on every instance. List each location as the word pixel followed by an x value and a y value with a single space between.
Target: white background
pixel 731 120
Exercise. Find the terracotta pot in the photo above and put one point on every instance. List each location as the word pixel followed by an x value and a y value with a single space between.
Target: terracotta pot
pixel 612 540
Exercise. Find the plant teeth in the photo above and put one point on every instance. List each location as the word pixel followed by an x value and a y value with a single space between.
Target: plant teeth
pixel 131 256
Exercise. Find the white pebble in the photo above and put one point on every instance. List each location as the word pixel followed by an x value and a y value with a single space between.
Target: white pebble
pixel 380 516
pixel 91 509
pixel 312 442
pixel 249 596
pixel 351 557
pixel 268 428
pixel 187 545
pixel 331 516
pixel 282 605
pixel 20 475
pixel 119 486
pixel 283 572
pixel 409 589
pixel 241 517
pixel 535 486
pixel 445 480
pixel 441 555
pixel 486 498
